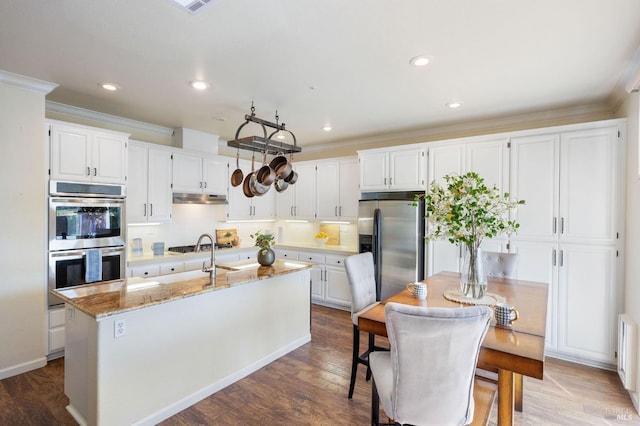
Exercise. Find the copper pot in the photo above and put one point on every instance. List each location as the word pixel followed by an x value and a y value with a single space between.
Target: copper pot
pixel 266 175
pixel 247 180
pixel 280 185
pixel 292 178
pixel 237 175
pixel 281 166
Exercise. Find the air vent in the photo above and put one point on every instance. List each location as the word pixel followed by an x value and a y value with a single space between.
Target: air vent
pixel 191 6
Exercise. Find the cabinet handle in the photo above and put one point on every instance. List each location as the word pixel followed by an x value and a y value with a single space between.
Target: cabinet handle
pixel 95 171
pixel 150 210
pixel 562 225
pixel 561 258
pixel 555 225
pixel 291 211
pixel 385 181
pixel 205 184
pixel 390 181
pixel 340 211
pixel 145 209
pixel 88 171
pixel 335 211
pixel 553 257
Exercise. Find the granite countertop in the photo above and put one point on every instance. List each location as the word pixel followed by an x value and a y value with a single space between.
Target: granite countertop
pixel 103 299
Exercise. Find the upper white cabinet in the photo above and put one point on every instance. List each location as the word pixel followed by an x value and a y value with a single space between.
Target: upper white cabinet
pixel 250 208
pixel 569 183
pixel 194 173
pixel 149 185
pixel 298 201
pixel 337 189
pixel 86 154
pixel 392 169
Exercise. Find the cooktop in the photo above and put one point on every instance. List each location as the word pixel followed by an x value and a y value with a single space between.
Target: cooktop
pixel 203 247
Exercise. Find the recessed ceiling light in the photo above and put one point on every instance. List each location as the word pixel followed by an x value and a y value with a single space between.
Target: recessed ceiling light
pixel 109 86
pixel 327 128
pixel 199 85
pixel 454 105
pixel 419 61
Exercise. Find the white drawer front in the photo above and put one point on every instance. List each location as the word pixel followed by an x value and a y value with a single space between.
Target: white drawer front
pixel 335 260
pixel 171 268
pixel 287 254
pixel 56 318
pixel 145 271
pixel 311 257
pixel 56 339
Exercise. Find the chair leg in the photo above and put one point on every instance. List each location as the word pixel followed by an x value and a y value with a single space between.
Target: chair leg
pixel 354 360
pixel 375 405
pixel 370 349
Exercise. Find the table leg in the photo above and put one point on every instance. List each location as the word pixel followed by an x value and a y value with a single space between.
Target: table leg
pixel 519 391
pixel 505 398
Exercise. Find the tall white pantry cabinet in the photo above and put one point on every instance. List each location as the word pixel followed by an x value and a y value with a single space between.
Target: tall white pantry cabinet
pixel 570 232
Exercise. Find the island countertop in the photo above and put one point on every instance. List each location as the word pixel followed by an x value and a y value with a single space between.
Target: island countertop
pixel 107 298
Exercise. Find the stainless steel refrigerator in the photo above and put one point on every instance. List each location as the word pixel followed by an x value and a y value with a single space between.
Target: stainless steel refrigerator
pixel 392 229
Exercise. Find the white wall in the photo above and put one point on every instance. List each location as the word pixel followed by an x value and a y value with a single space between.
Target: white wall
pixel 631 110
pixel 22 230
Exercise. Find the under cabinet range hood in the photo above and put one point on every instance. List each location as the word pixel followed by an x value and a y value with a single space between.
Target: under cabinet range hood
pixel 186 198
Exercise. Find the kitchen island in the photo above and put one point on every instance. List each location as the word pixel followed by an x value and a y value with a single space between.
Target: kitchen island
pixel 138 351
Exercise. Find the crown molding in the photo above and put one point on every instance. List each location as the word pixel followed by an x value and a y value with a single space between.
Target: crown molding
pixel 99 117
pixel 489 125
pixel 27 83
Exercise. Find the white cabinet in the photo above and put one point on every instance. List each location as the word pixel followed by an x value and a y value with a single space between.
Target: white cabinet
pixel 490 159
pixel 149 184
pixel 194 173
pixel 298 201
pixel 56 319
pixel 329 283
pixel 568 234
pixel 86 154
pixel 337 189
pixel 241 207
pixel 392 169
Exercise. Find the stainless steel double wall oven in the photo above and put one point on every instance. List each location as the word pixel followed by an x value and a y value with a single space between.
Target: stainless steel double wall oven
pixel 84 217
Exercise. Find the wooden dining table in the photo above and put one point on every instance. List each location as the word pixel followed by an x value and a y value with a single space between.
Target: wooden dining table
pixel 513 351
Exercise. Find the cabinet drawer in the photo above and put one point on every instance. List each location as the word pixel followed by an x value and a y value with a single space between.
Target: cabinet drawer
pixel 195 264
pixel 335 261
pixel 311 257
pixel 56 339
pixel 56 318
pixel 171 268
pixel 287 254
pixel 145 271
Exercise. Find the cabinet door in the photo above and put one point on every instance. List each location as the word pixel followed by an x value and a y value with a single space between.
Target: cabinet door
pixel 264 206
pixel 337 287
pixel 588 185
pixel 490 159
pixel 406 169
pixel 317 284
pixel 160 194
pixel 109 158
pixel 444 160
pixel 70 153
pixel 215 175
pixel 305 206
pixel 348 187
pixel 534 179
pixel 373 171
pixel 187 173
pixel 239 207
pixel 285 203
pixel 137 209
pixel 587 303
pixel 327 190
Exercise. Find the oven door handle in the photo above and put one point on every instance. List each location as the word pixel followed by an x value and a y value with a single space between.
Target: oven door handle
pixel 104 251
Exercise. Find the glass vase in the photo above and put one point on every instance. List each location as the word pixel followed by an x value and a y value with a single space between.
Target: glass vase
pixel 473 279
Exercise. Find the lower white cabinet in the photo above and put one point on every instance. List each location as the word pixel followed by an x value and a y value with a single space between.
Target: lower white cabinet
pixel 56 330
pixel 144 271
pixel 329 283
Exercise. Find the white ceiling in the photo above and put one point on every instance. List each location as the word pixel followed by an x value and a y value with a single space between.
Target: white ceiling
pixel 318 62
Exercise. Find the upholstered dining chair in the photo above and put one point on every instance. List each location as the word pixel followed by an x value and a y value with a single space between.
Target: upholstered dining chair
pixel 362 283
pixel 501 265
pixel 427 377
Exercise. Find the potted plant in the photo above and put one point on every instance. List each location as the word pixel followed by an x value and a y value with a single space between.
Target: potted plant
pixel 265 241
pixel 464 211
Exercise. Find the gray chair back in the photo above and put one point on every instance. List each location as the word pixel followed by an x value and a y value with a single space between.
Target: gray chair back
pixel 362 282
pixel 501 265
pixel 434 352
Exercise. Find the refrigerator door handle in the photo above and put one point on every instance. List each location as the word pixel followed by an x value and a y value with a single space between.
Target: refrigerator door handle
pixel 377 250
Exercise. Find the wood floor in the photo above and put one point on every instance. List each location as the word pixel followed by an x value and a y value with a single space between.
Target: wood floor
pixel 309 387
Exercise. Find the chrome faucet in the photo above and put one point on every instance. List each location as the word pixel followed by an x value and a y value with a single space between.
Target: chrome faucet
pixel 211 269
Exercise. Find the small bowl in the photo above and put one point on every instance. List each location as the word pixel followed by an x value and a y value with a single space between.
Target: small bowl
pixel 321 241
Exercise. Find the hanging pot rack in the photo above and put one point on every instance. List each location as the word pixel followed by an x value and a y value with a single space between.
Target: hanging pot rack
pixel 264 144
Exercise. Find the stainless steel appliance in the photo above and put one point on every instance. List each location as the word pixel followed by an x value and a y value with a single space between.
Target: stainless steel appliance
pixel 67 268
pixel 392 229
pixel 85 219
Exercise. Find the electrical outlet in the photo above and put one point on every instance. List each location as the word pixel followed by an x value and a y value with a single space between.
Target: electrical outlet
pixel 119 327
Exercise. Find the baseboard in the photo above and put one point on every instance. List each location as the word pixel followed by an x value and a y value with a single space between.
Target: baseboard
pixel 597 364
pixel 195 397
pixel 14 370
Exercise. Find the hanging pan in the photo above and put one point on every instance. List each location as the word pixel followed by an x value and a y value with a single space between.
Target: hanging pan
pixel 237 175
pixel 247 180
